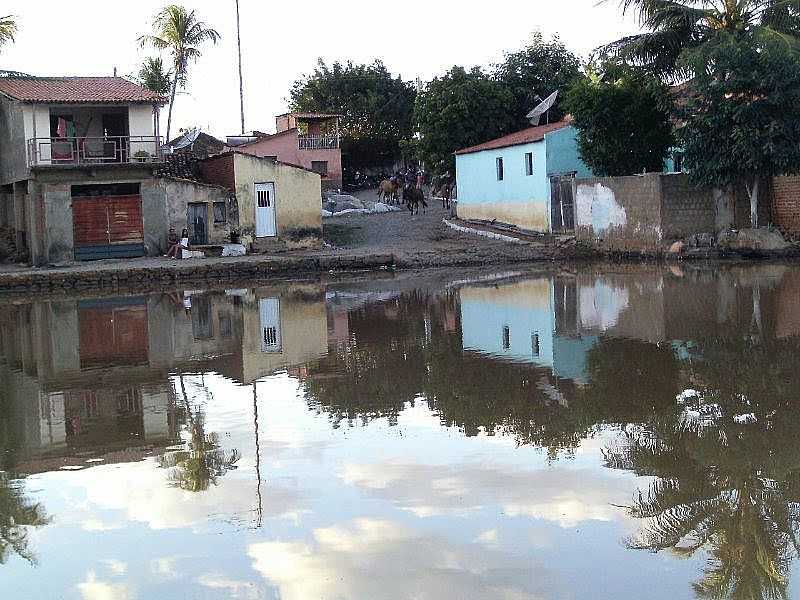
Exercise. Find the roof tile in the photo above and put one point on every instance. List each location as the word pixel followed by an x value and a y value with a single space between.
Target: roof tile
pixel 76 90
pixel 526 136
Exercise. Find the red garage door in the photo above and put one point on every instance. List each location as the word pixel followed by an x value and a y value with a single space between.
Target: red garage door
pixel 108 227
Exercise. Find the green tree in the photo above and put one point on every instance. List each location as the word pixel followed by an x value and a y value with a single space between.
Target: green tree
pixel 376 108
pixel 8 29
pixel 179 32
pixel 17 514
pixel 623 121
pixel 460 109
pixel 742 117
pixel 728 50
pixel 155 77
pixel 534 72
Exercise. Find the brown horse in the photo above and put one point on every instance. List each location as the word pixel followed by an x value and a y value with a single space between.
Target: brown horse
pixel 388 191
pixel 444 189
pixel 413 197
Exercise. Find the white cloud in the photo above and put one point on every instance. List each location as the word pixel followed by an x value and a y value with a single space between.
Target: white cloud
pixel 232 588
pixel 377 559
pixel 95 589
pixel 117 567
pixel 564 496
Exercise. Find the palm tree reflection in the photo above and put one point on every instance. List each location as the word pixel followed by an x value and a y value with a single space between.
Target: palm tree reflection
pixel 198 466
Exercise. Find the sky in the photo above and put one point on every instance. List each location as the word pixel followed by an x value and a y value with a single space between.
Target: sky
pixel 281 41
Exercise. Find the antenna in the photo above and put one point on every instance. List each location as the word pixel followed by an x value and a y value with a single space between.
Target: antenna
pixel 542 108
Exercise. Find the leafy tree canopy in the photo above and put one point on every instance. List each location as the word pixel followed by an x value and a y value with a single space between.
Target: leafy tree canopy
pixel 377 108
pixel 461 108
pixel 623 121
pixel 536 71
pixel 742 116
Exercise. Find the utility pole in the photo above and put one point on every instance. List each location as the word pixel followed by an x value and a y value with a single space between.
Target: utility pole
pixel 241 81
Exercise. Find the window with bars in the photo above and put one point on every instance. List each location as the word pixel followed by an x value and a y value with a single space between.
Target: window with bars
pixel 499 165
pixel 263 199
pixel 529 163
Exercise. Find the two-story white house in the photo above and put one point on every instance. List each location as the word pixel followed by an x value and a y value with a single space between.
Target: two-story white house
pixel 78 157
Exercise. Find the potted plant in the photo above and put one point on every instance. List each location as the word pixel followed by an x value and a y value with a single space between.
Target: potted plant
pixel 142 156
pixel 235 236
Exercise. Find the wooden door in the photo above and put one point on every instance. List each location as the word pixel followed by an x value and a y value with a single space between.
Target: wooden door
pixel 562 204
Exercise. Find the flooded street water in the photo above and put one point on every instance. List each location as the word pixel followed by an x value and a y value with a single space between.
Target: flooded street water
pixel 592 432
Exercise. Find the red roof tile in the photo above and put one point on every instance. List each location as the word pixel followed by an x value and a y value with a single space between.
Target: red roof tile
pixel 76 90
pixel 526 136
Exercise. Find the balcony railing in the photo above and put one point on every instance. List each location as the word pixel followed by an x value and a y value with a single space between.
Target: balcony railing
pixel 94 150
pixel 318 142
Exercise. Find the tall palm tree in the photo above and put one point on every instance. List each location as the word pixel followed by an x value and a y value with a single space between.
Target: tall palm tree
pixel 8 29
pixel 674 29
pixel 155 77
pixel 181 33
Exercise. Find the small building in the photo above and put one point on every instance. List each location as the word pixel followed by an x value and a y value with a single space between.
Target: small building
pixel 197 142
pixel 523 179
pixel 308 140
pixel 274 201
pixel 77 163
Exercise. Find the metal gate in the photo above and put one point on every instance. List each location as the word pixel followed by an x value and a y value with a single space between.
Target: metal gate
pixel 108 227
pixel 562 204
pixel 197 218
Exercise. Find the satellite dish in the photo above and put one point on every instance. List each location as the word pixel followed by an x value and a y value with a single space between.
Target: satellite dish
pixel 536 114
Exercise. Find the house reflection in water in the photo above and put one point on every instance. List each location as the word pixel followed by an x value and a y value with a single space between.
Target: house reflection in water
pixel 91 379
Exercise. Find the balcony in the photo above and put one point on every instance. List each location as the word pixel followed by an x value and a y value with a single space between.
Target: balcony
pixel 318 142
pixel 61 151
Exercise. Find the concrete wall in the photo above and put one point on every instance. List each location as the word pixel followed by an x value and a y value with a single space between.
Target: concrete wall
pixel 520 199
pixel 13 161
pixel 686 208
pixel 178 193
pixel 298 196
pixel 140 123
pixel 285 147
pixel 619 213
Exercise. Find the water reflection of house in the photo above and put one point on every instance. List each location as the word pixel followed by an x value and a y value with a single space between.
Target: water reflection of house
pixel 93 376
pixel 534 321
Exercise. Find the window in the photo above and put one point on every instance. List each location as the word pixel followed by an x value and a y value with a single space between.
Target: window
pixel 529 163
pixel 220 212
pixel 499 168
pixel 535 345
pixel 320 166
pixel 262 198
pixel 506 337
pixel 677 160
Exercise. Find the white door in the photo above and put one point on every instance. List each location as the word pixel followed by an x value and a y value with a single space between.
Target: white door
pixel 265 210
pixel 270 310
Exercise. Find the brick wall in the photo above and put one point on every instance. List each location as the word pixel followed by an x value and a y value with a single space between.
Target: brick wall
pixel 786 204
pixel 686 209
pixel 219 171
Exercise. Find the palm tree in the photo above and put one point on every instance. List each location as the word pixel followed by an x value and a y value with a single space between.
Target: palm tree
pixel 154 77
pixel 8 29
pixel 181 33
pixel 674 29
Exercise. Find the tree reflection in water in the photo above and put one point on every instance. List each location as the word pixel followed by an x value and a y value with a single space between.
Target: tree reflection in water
pixel 728 469
pixel 17 514
pixel 196 468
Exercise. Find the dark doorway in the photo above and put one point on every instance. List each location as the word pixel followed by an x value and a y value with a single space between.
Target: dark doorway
pixel 197 219
pixel 562 204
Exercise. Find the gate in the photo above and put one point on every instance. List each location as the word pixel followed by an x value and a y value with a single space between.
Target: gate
pixel 562 204
pixel 107 227
pixel 196 218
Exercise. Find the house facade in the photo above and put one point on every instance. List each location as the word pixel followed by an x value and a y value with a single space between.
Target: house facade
pixel 524 179
pixel 274 201
pixel 308 140
pixel 77 163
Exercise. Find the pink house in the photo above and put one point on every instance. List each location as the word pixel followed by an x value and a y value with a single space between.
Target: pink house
pixel 309 140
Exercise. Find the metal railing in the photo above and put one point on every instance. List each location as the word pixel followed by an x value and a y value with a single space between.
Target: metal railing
pixel 318 142
pixel 53 151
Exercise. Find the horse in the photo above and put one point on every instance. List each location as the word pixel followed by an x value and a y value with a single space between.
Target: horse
pixel 413 197
pixel 444 189
pixel 389 191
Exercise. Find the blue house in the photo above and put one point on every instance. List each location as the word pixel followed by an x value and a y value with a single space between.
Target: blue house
pixel 524 178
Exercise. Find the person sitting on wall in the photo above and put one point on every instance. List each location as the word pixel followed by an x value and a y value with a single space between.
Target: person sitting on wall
pixel 177 246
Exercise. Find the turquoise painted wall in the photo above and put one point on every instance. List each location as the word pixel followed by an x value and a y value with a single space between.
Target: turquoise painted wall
pixel 482 324
pixel 563 155
pixel 476 176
